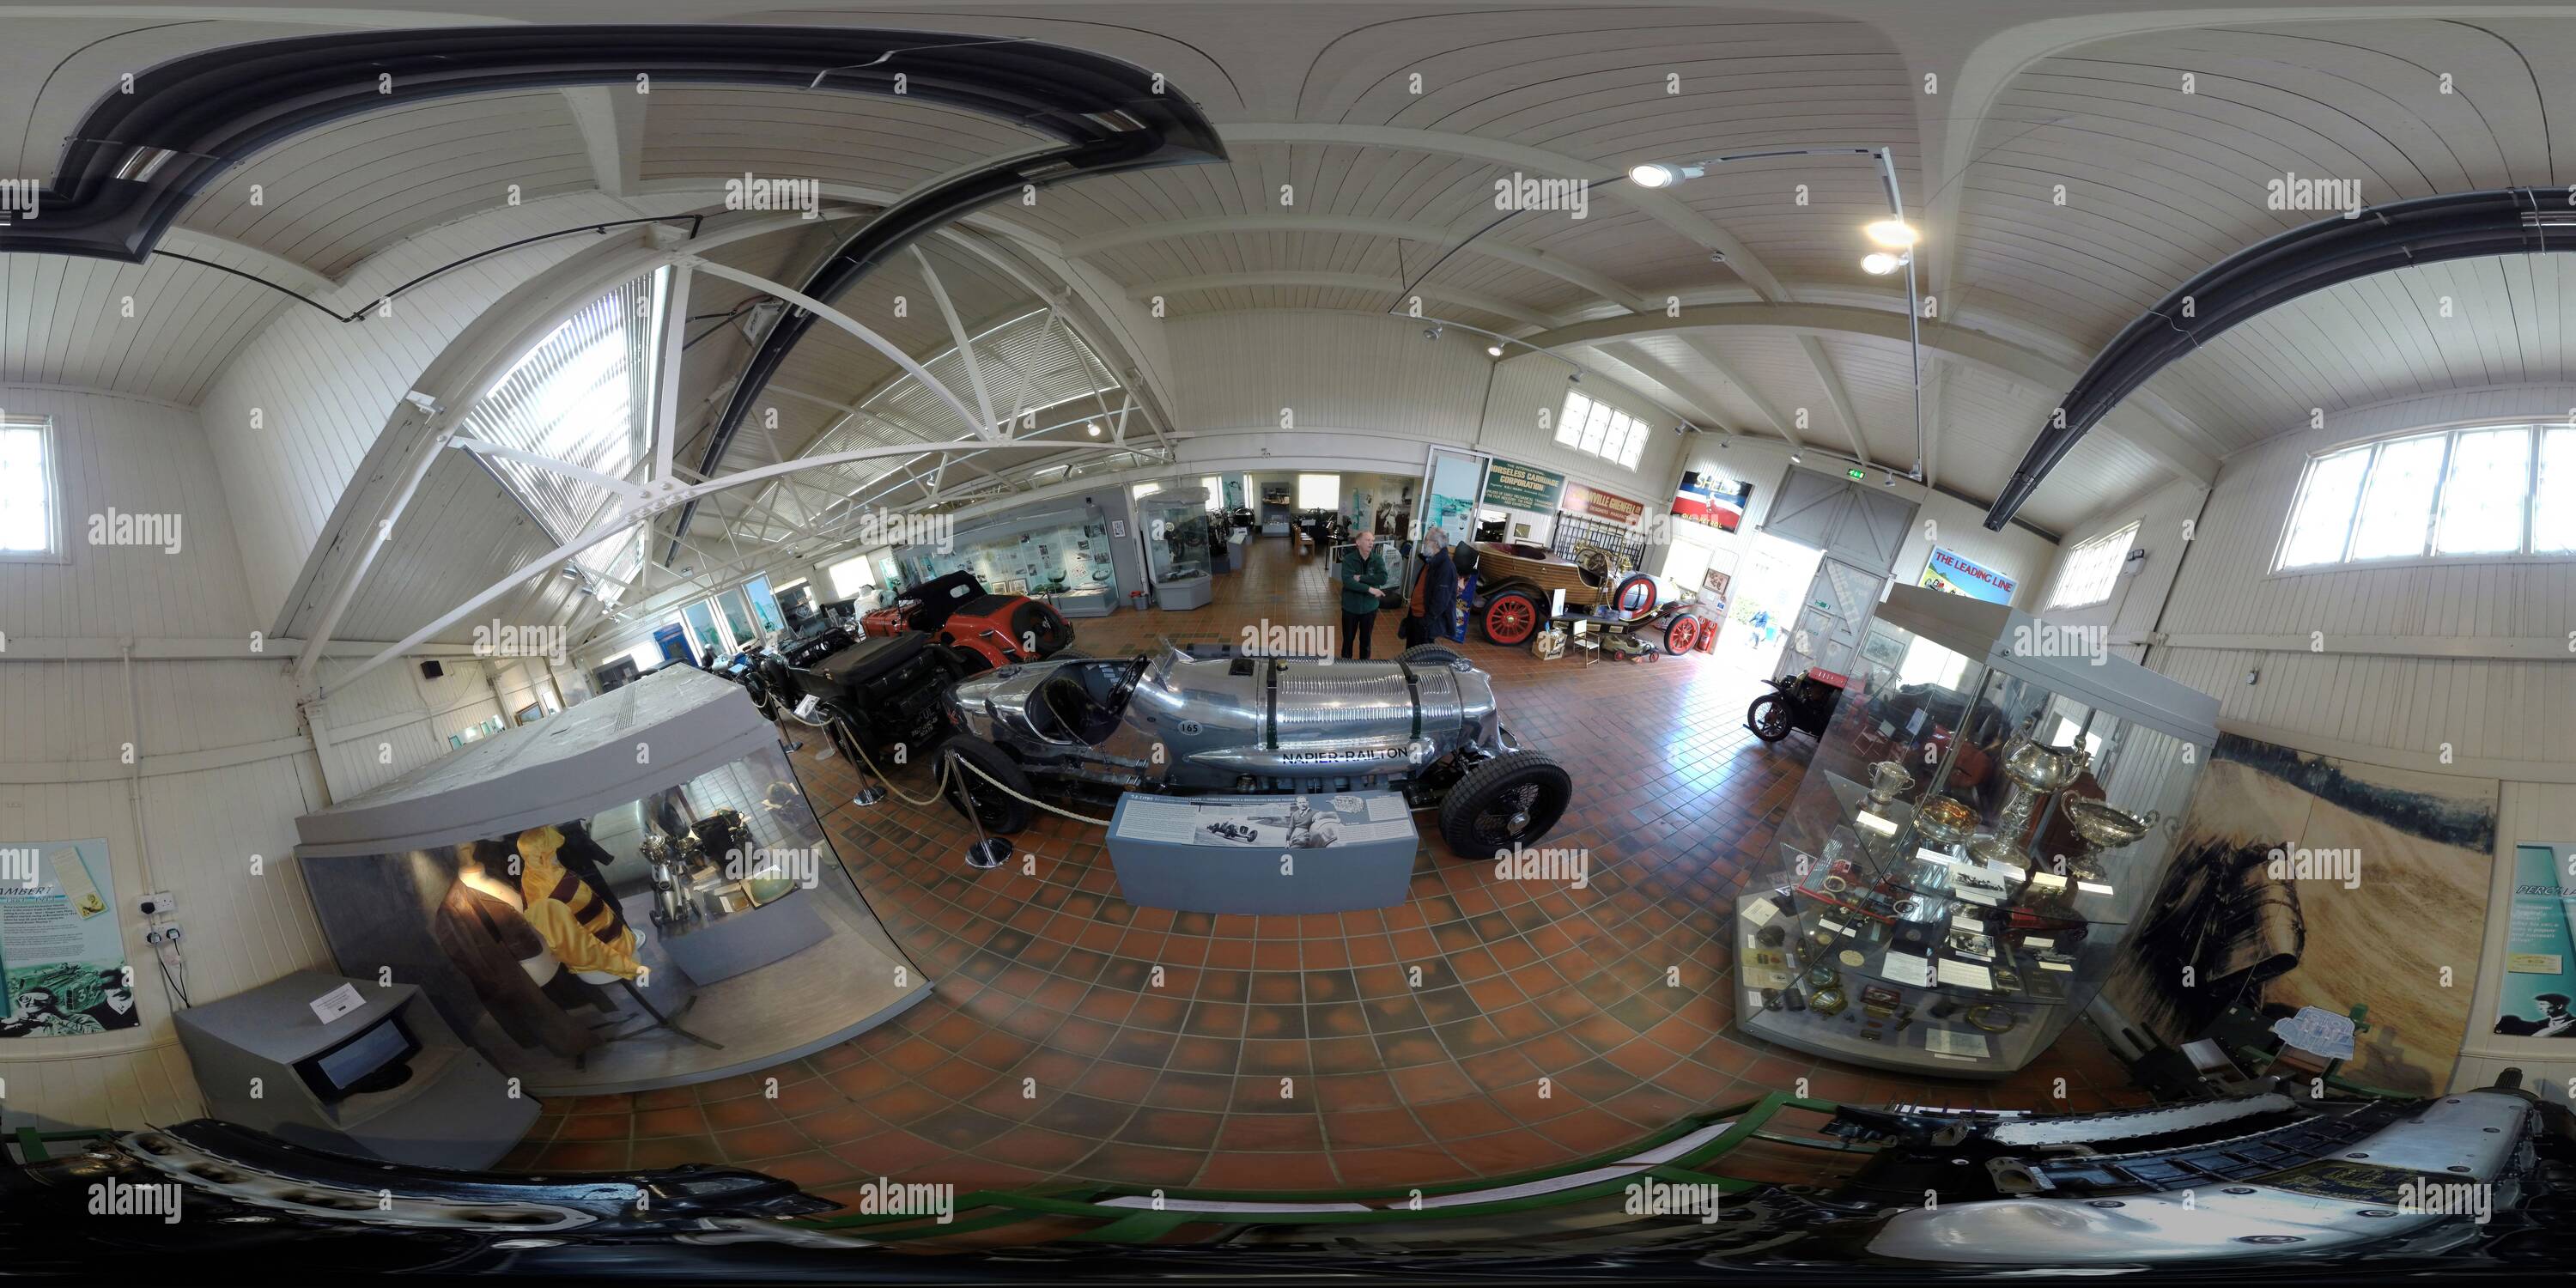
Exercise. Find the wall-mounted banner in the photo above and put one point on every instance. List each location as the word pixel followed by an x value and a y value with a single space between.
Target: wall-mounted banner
pixel 2538 996
pixel 1598 504
pixel 1712 499
pixel 1946 570
pixel 1511 485
pixel 62 956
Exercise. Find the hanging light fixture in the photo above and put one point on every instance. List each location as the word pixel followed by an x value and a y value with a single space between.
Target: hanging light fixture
pixel 1894 234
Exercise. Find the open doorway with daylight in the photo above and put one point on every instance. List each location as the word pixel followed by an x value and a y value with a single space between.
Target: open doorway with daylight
pixel 1770 583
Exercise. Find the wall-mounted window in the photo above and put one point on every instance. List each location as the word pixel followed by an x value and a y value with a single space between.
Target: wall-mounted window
pixel 2091 569
pixel 1595 428
pixel 2485 490
pixel 851 578
pixel 31 493
pixel 1319 491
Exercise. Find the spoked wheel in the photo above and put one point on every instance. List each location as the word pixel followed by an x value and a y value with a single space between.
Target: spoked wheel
pixel 975 795
pixel 1681 635
pixel 1507 801
pixel 1511 618
pixel 1768 718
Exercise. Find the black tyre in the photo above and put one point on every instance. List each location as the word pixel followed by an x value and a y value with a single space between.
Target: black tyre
pixel 1431 655
pixel 1768 718
pixel 1507 801
pixel 974 795
pixel 1682 634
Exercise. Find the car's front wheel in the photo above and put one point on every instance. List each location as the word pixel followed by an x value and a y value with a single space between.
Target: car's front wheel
pixel 1768 717
pixel 1511 618
pixel 988 797
pixel 1507 801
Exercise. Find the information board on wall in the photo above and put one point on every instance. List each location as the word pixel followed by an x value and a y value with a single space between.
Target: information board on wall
pixel 1948 570
pixel 1511 485
pixel 2538 996
pixel 1598 504
pixel 62 955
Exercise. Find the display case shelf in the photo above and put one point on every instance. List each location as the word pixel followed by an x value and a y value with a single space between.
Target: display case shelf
pixel 1971 844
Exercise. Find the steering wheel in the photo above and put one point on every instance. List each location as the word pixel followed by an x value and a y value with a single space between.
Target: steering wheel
pixel 1126 688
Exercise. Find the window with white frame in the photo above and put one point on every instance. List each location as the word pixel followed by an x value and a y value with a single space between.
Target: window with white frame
pixel 2091 569
pixel 1595 428
pixel 2478 490
pixel 1319 491
pixel 31 507
pixel 850 577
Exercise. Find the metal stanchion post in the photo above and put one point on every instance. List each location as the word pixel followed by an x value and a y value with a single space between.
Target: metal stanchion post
pixel 870 791
pixel 987 852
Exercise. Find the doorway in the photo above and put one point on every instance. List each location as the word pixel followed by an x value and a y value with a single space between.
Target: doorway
pixel 1770 583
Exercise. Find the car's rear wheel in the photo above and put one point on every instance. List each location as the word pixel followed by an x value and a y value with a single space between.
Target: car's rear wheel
pixel 988 797
pixel 1431 655
pixel 1681 635
pixel 1511 618
pixel 1510 800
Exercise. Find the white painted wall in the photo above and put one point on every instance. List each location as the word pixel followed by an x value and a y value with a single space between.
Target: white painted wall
pixel 220 772
pixel 2455 668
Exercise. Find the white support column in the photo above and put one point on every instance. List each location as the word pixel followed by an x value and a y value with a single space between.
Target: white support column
pixel 965 415
pixel 666 372
pixel 957 333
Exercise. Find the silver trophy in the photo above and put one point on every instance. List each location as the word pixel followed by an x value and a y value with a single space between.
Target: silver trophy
pixel 2103 827
pixel 2036 772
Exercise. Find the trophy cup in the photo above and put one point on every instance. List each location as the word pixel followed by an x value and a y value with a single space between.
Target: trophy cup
pixel 1887 781
pixel 2103 827
pixel 2036 773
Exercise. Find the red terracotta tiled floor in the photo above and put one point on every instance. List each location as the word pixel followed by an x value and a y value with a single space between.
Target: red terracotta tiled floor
pixel 1481 1027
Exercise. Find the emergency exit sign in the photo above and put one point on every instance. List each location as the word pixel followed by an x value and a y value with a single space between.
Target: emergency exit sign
pixel 1853 474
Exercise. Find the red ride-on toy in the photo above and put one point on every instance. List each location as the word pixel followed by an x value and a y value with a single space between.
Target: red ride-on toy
pixel 979 629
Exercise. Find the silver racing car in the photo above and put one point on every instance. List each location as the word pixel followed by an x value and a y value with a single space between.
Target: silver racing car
pixel 1424 724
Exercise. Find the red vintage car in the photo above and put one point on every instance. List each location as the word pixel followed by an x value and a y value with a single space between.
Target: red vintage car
pixel 979 629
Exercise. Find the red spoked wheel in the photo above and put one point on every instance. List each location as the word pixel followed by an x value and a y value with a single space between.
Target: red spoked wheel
pixel 1511 618
pixel 1681 635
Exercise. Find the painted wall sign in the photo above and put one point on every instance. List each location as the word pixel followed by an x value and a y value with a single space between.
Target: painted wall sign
pixel 1598 504
pixel 1511 485
pixel 1947 570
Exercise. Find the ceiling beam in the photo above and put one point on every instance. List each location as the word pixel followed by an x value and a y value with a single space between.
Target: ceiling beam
pixel 1835 394
pixel 611 120
pixel 1555 266
pixel 2148 434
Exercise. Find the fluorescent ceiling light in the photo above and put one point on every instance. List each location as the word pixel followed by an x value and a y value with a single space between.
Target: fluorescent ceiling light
pixel 1894 234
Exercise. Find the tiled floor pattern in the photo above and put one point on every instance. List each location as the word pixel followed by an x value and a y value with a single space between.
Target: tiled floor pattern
pixel 1482 1027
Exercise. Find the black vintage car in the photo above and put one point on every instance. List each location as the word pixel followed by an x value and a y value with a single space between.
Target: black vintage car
pixel 873 693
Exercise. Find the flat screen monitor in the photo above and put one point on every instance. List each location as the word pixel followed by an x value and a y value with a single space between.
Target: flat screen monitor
pixel 371 1059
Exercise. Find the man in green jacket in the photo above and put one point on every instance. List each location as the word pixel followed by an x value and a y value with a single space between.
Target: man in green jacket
pixel 1365 580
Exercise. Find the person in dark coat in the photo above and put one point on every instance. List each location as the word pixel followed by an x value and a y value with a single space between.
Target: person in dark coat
pixel 1365 579
pixel 1435 591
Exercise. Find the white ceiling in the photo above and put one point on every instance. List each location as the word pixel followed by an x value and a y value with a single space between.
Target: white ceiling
pixel 1345 184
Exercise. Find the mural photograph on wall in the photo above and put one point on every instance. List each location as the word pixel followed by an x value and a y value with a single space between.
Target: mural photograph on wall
pixel 2305 880
pixel 62 954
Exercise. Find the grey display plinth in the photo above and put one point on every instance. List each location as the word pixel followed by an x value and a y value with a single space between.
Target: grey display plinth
pixel 454 1111
pixel 1187 593
pixel 709 951
pixel 1263 854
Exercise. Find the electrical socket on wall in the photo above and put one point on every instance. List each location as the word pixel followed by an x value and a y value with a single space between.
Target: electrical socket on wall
pixel 160 903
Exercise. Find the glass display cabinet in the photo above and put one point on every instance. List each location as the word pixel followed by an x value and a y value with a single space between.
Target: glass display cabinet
pixel 1971 844
pixel 1175 529
pixel 1060 556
